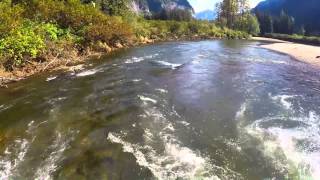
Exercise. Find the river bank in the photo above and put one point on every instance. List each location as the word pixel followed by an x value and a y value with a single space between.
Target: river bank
pixel 305 53
pixel 75 60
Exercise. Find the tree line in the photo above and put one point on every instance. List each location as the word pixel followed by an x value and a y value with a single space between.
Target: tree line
pixel 235 14
pixel 282 24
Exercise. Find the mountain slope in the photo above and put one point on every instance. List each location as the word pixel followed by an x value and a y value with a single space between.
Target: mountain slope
pixel 154 6
pixel 305 12
pixel 206 15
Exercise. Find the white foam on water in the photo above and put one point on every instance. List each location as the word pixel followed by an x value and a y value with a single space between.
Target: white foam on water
pixel 261 60
pixel 172 160
pixel 174 112
pixel 185 123
pixel 137 80
pixel 152 56
pixel 87 73
pixel 14 155
pixel 147 99
pixel 148 134
pixel 134 60
pixel 8 167
pixel 140 59
pixel 284 100
pixel 5 107
pixel 49 165
pixel 195 62
pixel 170 127
pixel 53 101
pixel 305 158
pixel 51 78
pixel 162 90
pixel 175 162
pixel 240 114
pixel 171 65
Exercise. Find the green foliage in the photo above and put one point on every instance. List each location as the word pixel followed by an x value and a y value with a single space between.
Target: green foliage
pixel 111 7
pixel 140 27
pixel 23 41
pixel 176 27
pixel 10 17
pixel 33 28
pixel 69 14
pixel 84 20
pixel 248 23
pixel 295 38
pixel 283 24
pixel 29 40
pixel 235 14
pixel 174 14
pixel 229 10
pixel 116 7
pixel 265 22
pixel 156 29
pixel 110 31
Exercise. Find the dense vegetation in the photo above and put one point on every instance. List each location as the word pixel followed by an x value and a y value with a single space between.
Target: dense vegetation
pixel 305 14
pixel 235 14
pixel 283 20
pixel 312 40
pixel 283 24
pixel 39 30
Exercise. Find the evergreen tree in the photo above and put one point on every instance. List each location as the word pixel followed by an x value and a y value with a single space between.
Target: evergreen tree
pixel 284 24
pixel 174 14
pixel 265 22
pixel 228 10
pixel 111 7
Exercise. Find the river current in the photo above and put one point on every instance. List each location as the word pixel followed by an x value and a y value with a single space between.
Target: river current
pixel 180 110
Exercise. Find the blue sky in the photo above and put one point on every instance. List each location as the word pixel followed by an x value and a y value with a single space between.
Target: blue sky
pixel 201 5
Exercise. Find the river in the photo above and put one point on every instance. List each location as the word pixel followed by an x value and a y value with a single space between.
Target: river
pixel 180 110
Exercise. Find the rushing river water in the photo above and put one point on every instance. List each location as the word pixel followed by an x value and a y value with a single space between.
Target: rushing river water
pixel 184 110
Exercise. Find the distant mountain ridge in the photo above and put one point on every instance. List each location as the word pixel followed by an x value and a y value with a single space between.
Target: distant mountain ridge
pixel 305 12
pixel 206 15
pixel 154 6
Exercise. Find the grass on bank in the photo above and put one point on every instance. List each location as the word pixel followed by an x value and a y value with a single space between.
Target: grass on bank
pixel 39 30
pixel 312 40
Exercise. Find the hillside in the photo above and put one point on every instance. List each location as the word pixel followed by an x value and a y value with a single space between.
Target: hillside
pixel 304 12
pixel 206 15
pixel 154 6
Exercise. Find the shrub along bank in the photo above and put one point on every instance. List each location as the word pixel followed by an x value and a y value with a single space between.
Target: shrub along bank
pixel 38 32
pixel 312 40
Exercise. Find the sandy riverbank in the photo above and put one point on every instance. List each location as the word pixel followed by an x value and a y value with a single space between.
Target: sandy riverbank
pixel 302 52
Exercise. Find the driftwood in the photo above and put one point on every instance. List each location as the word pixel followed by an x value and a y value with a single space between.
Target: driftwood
pixel 53 60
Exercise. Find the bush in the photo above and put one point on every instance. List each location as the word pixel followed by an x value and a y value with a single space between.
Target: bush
pixel 10 18
pixel 82 19
pixel 248 23
pixel 22 42
pixel 110 32
pixel 46 28
pixel 295 38
pixel 28 41
pixel 67 14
